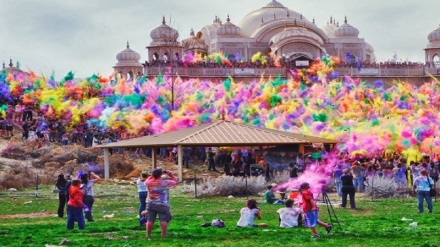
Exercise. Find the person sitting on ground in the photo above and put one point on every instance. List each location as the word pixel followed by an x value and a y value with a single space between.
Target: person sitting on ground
pixel 270 198
pixel 248 214
pixel 288 216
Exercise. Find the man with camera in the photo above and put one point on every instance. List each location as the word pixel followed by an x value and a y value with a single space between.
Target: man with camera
pixel 158 199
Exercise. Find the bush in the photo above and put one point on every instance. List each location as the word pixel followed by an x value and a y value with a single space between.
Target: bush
pixel 14 151
pixel 21 176
pixel 381 187
pixel 228 185
pixel 279 177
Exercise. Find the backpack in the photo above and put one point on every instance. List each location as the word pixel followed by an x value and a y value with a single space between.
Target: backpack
pixel 218 223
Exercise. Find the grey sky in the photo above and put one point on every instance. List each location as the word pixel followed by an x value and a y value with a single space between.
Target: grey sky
pixel 85 35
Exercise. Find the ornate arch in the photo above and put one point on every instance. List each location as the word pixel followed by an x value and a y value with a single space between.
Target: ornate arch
pixel 266 32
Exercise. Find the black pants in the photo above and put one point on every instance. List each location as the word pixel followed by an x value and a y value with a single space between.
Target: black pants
pixel 350 191
pixel 88 200
pixel 63 198
pixel 211 164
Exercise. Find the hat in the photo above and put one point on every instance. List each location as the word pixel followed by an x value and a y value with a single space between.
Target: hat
pixel 304 186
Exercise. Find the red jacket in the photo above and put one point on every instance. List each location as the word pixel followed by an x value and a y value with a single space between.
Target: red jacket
pixel 75 197
pixel 308 203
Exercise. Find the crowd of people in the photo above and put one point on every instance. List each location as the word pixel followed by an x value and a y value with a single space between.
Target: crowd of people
pixel 351 176
pixel 37 128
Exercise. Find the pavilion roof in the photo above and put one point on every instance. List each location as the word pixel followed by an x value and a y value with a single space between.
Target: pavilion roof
pixel 219 134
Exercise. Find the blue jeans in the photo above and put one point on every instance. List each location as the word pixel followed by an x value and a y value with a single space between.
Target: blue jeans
pixel 142 201
pixel 75 214
pixel 186 161
pixel 359 184
pixel 424 195
pixel 338 188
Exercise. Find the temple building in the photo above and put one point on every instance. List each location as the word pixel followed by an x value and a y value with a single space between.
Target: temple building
pixel 271 29
pixel 274 31
pixel 128 63
pixel 432 50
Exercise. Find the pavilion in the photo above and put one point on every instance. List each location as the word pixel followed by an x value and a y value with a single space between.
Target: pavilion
pixel 217 134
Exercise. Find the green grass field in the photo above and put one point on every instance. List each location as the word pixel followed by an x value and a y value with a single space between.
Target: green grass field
pixel 375 223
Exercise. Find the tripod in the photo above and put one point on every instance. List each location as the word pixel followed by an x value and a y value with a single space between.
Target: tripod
pixel 330 210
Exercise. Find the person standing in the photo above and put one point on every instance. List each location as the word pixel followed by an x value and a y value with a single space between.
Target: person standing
pixel 347 189
pixel 63 194
pixel 358 172
pixel 310 211
pixel 337 173
pixel 75 206
pixel 158 199
pixel 87 188
pixel 142 192
pixel 422 185
pixel 186 156
pixel 211 161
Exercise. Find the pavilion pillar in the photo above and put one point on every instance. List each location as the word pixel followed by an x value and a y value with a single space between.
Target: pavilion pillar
pixel 154 158
pixel 179 163
pixel 301 149
pixel 106 164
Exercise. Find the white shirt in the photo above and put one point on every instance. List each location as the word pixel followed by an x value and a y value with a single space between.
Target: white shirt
pixel 289 217
pixel 247 216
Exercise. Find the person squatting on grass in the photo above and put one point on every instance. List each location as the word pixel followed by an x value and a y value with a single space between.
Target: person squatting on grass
pixel 87 188
pixel 248 214
pixel 63 194
pixel 288 216
pixel 422 185
pixel 310 211
pixel 142 192
pixel 75 206
pixel 158 200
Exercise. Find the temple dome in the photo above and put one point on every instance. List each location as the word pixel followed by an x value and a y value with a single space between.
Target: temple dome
pixel 434 36
pixel 296 32
pixel 346 30
pixel 128 57
pixel 164 33
pixel 330 28
pixel 194 43
pixel 228 29
pixel 272 10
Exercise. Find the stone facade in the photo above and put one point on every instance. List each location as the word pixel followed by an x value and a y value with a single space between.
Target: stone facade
pixel 272 28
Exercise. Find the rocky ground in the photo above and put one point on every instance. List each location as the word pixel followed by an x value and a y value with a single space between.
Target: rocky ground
pixel 21 162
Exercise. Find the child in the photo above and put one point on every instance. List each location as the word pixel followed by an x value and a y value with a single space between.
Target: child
pixel 269 196
pixel 247 214
pixel 310 211
pixel 289 215
pixel 75 206
pixel 143 218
